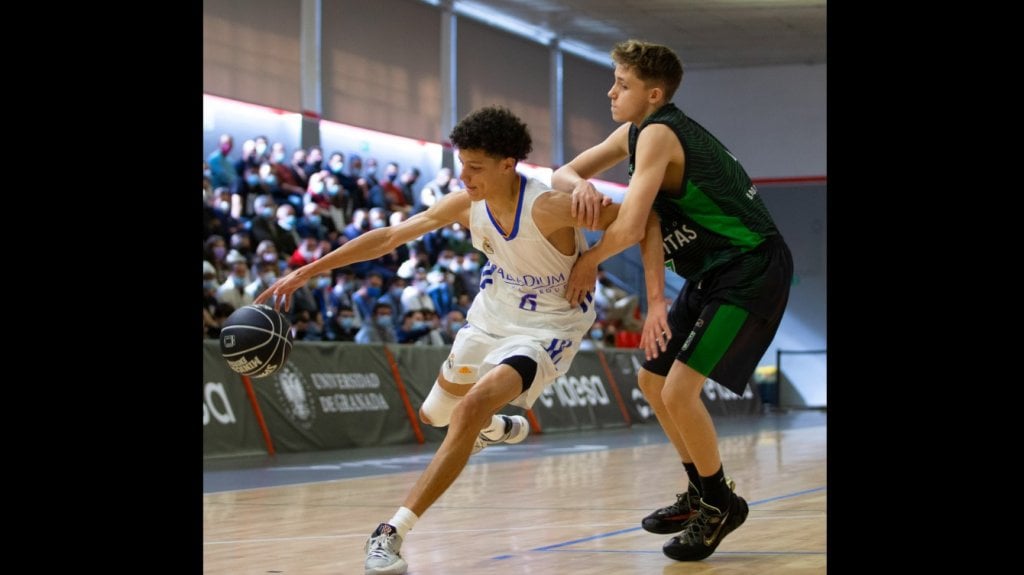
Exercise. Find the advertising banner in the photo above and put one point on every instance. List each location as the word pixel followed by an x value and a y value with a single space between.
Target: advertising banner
pixel 331 396
pixel 229 425
pixel 581 399
pixel 625 365
pixel 418 366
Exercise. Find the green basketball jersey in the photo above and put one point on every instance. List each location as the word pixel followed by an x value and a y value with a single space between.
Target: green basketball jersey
pixel 718 214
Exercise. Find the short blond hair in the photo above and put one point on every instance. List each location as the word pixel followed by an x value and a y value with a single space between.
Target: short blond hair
pixel 652 63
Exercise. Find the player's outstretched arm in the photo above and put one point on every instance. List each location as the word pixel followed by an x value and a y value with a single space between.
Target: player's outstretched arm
pixel 373 244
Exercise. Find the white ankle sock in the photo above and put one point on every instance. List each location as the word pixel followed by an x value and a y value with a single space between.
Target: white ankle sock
pixel 403 521
pixel 496 429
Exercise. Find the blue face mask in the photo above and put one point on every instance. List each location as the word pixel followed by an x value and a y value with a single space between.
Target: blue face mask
pixel 456 325
pixel 373 292
pixel 419 324
pixel 323 282
pixel 384 320
pixel 209 285
pixel 333 189
pixel 238 281
pixel 348 322
pixel 378 224
pixel 596 334
pixel 271 180
pixel 268 278
pixel 318 188
pixel 336 168
pixel 396 293
pixel 288 222
pixel 253 179
pixel 277 158
pixel 314 219
pixel 267 212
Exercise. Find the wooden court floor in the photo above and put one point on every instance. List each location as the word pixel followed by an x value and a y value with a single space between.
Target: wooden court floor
pixel 577 512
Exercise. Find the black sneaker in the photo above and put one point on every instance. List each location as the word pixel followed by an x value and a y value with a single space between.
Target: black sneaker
pixel 672 519
pixel 706 530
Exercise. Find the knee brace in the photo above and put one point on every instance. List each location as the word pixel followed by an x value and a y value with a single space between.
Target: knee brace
pixel 525 366
pixel 438 406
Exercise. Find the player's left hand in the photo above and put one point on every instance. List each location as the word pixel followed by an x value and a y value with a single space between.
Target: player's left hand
pixel 582 280
pixel 656 333
pixel 280 293
pixel 587 203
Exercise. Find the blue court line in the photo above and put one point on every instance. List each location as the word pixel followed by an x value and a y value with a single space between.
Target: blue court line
pixel 653 552
pixel 631 529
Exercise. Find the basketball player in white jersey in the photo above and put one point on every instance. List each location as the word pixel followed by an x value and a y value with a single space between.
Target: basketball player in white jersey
pixel 521 332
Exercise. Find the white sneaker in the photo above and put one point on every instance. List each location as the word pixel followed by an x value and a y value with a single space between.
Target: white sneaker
pixel 382 556
pixel 516 429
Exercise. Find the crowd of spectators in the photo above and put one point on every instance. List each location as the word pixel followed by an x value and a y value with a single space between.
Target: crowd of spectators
pixel 265 214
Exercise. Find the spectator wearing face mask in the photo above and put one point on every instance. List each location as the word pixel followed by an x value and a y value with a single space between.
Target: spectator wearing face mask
pixel 217 214
pixel 379 329
pixel 305 329
pixel 215 250
pixel 298 168
pixel 388 194
pixel 439 288
pixel 344 325
pixel 321 289
pixel 413 327
pixel 456 239
pixel 365 298
pixel 266 276
pixel 308 252
pixel 315 222
pixel 286 179
pixel 337 204
pixel 222 170
pixel 451 325
pixel 415 296
pixel 247 187
pixel 433 191
pixel 314 160
pixel 248 159
pixel 232 291
pixel 286 238
pixel 393 297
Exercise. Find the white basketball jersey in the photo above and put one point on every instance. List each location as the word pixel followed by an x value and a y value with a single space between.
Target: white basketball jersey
pixel 522 286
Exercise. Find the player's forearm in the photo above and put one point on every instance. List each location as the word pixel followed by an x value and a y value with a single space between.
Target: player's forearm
pixel 652 256
pixel 368 246
pixel 565 179
pixel 615 239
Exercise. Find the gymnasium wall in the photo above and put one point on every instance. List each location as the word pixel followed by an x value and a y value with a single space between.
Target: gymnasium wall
pixel 381 69
pixel 772 118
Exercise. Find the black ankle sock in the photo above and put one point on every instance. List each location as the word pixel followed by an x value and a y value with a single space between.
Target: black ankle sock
pixel 694 477
pixel 714 491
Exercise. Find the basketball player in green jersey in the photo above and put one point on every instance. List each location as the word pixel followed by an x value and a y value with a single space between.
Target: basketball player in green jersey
pixel 716 233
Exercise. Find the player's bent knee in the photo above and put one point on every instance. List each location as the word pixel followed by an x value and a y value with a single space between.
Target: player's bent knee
pixel 437 408
pixel 526 367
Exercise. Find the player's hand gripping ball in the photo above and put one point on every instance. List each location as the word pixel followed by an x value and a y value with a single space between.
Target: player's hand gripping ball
pixel 256 340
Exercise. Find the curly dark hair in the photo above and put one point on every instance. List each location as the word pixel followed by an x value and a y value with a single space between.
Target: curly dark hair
pixel 651 63
pixel 496 131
